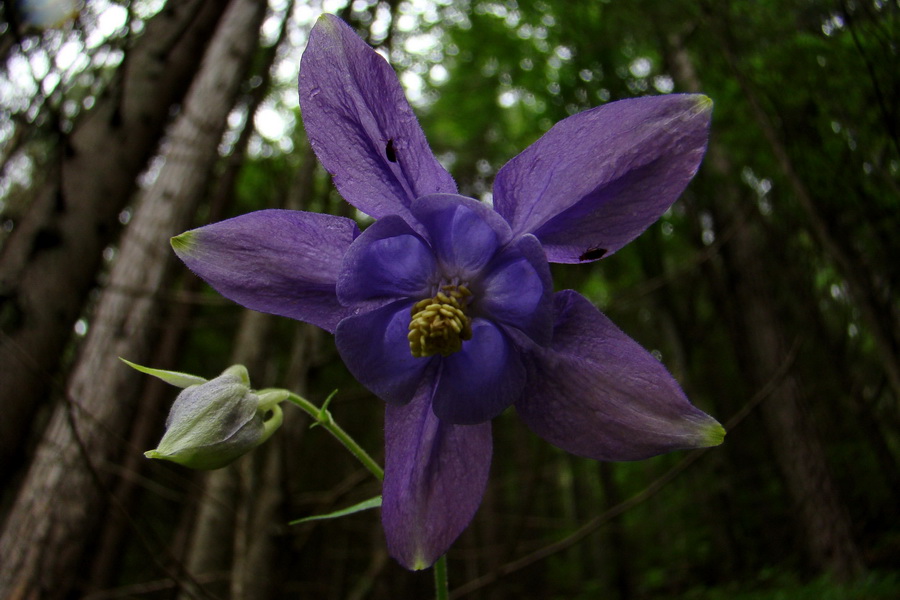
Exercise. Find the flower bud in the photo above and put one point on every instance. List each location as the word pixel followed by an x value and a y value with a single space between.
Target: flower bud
pixel 215 422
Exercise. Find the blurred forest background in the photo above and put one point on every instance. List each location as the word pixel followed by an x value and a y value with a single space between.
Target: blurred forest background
pixel 768 289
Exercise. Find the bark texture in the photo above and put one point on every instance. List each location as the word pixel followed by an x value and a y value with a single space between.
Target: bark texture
pixel 824 520
pixel 55 514
pixel 50 260
pixel 877 315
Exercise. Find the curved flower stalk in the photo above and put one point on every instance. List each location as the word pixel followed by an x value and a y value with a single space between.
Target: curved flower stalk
pixel 444 307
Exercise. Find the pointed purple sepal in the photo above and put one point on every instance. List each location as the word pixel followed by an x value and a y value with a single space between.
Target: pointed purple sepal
pixel 361 126
pixel 434 478
pixel 282 262
pixel 598 179
pixel 388 260
pixel 597 393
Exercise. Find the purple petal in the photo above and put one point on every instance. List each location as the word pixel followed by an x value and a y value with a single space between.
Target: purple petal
pixel 361 126
pixel 477 383
pixel 282 262
pixel 375 348
pixel 435 475
pixel 517 290
pixel 464 233
pixel 597 393
pixel 389 260
pixel 598 179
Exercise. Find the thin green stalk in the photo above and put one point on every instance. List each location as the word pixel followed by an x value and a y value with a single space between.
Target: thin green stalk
pixel 323 417
pixel 441 588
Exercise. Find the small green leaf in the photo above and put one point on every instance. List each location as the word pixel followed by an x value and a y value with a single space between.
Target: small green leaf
pixel 364 505
pixel 328 401
pixel 175 378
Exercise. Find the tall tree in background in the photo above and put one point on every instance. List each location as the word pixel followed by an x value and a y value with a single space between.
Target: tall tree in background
pixel 50 260
pixel 219 541
pixel 825 520
pixel 44 537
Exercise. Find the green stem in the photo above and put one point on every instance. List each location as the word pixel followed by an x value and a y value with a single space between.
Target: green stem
pixel 324 418
pixel 441 588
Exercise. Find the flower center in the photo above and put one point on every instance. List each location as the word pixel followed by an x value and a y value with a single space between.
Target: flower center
pixel 439 325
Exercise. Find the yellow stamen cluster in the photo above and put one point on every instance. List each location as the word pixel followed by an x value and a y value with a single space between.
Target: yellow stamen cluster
pixel 439 325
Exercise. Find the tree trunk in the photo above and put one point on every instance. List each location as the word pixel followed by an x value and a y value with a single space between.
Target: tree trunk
pixel 878 318
pixel 155 399
pixel 53 519
pixel 166 357
pixel 51 258
pixel 798 449
pixel 212 542
pixel 241 515
pixel 620 547
pixel 261 522
pixel 824 519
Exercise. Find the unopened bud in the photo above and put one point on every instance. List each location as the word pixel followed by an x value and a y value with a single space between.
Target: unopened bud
pixel 214 422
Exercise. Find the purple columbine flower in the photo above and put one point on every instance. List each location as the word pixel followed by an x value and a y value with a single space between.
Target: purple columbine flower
pixel 444 306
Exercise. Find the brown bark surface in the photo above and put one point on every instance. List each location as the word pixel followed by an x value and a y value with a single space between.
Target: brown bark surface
pixel 824 520
pixel 55 514
pixel 51 259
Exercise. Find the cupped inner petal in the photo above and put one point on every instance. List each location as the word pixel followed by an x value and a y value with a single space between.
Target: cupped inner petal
pixel 435 474
pixel 464 233
pixel 477 383
pixel 282 262
pixel 375 348
pixel 361 126
pixel 597 393
pixel 389 260
pixel 516 290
